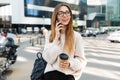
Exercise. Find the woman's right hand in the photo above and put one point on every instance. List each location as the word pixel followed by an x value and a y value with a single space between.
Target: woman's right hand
pixel 58 28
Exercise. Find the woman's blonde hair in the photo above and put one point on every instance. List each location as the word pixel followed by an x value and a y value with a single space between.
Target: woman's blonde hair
pixel 69 34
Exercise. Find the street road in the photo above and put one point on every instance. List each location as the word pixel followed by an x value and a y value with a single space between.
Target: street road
pixel 103 60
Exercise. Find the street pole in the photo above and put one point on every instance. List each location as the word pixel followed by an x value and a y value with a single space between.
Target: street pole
pixel 43 20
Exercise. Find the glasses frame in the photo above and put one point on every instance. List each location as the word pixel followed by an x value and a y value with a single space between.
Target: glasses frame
pixel 61 13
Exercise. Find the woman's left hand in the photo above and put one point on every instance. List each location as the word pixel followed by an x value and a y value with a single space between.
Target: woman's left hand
pixel 65 64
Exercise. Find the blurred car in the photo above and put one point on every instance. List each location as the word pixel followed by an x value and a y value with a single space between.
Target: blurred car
pixel 114 36
pixel 103 30
pixel 88 33
pixel 23 31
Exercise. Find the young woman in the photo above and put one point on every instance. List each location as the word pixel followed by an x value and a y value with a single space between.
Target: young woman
pixel 63 39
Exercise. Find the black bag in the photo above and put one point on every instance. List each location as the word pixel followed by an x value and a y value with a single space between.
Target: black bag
pixel 39 67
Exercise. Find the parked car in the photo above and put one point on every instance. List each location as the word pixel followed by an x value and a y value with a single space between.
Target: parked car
pixel 88 33
pixel 114 36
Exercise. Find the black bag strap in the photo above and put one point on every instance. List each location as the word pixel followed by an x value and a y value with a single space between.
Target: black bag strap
pixel 39 55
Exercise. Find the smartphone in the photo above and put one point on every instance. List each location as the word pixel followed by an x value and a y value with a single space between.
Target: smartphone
pixel 58 22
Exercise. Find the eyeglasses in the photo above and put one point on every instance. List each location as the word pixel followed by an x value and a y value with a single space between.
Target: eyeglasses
pixel 61 13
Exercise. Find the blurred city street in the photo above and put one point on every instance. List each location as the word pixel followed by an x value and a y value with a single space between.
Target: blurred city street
pixel 98 21
pixel 103 59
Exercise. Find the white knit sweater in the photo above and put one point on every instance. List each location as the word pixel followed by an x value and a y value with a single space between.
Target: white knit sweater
pixel 77 62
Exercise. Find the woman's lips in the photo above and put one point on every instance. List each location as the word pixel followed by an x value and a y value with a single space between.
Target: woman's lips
pixel 64 20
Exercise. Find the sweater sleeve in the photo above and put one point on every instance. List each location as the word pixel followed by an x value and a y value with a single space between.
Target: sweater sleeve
pixel 51 50
pixel 79 60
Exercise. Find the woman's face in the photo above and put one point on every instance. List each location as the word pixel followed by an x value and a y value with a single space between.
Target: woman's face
pixel 63 15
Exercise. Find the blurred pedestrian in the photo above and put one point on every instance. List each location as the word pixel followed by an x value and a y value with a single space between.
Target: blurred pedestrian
pixel 63 39
pixel 44 31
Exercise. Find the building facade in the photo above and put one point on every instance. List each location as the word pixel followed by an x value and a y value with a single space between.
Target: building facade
pixel 96 14
pixel 31 13
pixel 113 12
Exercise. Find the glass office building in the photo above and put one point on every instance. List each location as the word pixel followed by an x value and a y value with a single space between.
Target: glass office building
pixel 37 13
pixel 43 9
pixel 113 12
